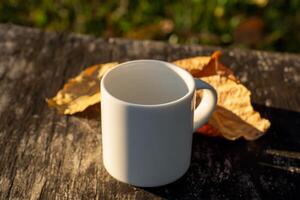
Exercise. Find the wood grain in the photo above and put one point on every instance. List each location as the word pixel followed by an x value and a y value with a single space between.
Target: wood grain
pixel 44 155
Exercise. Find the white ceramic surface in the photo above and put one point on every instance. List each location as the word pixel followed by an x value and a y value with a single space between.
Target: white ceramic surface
pixel 148 118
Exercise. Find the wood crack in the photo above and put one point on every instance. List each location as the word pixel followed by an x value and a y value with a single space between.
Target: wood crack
pixel 12 177
pixel 42 191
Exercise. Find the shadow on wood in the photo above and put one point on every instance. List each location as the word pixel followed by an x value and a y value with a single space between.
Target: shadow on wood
pixel 92 112
pixel 221 168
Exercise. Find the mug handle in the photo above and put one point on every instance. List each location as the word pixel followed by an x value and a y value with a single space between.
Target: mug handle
pixel 207 105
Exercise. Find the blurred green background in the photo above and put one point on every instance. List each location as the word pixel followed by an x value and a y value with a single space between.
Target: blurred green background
pixel 257 24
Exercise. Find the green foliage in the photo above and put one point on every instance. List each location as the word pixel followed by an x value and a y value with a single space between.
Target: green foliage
pixel 259 24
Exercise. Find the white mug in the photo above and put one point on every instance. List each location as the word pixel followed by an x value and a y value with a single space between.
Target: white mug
pixel 148 119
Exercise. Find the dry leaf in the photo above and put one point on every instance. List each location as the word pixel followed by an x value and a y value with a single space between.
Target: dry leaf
pixel 154 30
pixel 202 66
pixel 234 116
pixel 81 91
pixel 209 130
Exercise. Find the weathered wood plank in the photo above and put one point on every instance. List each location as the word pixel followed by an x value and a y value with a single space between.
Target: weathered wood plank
pixel 48 156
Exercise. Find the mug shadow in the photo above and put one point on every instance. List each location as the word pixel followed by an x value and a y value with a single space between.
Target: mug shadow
pixel 92 112
pixel 226 169
pixel 241 169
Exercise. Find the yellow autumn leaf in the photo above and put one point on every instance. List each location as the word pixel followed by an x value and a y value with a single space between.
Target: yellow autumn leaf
pixel 81 91
pixel 234 116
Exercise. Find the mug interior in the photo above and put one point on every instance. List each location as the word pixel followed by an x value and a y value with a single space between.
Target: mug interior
pixel 148 82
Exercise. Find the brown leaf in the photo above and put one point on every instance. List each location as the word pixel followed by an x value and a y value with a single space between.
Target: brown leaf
pixel 234 116
pixel 209 130
pixel 203 66
pixel 249 31
pixel 81 91
pixel 153 30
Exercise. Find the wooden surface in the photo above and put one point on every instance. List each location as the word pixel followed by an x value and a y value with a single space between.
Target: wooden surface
pixel 44 155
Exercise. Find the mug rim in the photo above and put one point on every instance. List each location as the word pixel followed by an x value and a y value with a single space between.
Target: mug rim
pixel 167 64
